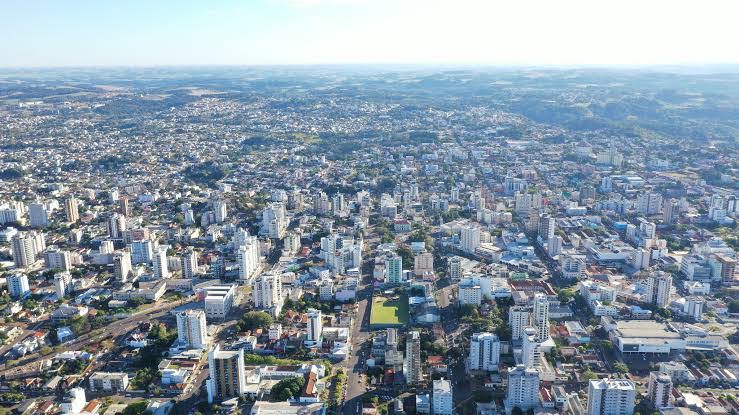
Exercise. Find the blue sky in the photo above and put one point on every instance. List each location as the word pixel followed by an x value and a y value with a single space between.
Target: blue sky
pixel 253 32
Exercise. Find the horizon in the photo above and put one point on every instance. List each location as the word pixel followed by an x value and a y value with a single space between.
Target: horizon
pixel 84 33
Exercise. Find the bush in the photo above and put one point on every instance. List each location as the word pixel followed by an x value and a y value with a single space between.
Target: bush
pixel 287 388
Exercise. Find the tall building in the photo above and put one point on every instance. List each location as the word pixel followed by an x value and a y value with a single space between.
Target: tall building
pixel 519 317
pixel 649 203
pixel 394 269
pixel 116 225
pixel 423 263
pixel 219 207
pixel 55 258
pixel 523 389
pixel 547 226
pixel 63 284
pixel 412 362
pixel 455 268
pixel 249 258
pixel 484 352
pixel 17 284
pixel 541 317
pixel 124 206
pixel 530 349
pixel 611 397
pixel 26 247
pixel 442 402
pixel 315 326
pixel 274 220
pixel 267 291
pixel 38 215
pixel 227 375
pixel 192 331
pixel 122 265
pixel 142 252
pixel 72 210
pixel 74 401
pixel 189 263
pixel 161 267
pixel 469 239
pixel 659 286
pixel 660 390
pixel 670 211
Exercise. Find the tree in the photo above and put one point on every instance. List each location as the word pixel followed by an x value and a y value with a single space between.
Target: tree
pixel 588 375
pixel 734 306
pixel 621 367
pixel 287 388
pixel 254 320
pixel 136 408
pixel 516 411
pixel 565 295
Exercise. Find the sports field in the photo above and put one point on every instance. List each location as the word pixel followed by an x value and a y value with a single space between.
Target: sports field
pixel 389 312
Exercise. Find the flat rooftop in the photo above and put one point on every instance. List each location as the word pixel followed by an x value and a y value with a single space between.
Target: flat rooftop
pixel 645 329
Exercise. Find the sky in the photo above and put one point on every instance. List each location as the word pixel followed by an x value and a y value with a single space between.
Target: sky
pixel 56 33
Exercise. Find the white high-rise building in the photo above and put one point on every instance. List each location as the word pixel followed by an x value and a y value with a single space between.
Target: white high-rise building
pixel 116 225
pixel 74 401
pixel 267 291
pixel 394 269
pixel 55 258
pixel 530 349
pixel 26 247
pixel 484 352
pixel 38 215
pixel 442 402
pixel 660 390
pixel 523 389
pixel 412 362
pixel 659 287
pixel 611 397
pixel 649 203
pixel 142 252
pixel 519 317
pixel 17 284
pixel 122 265
pixel 315 326
pixel 469 239
pixel 249 258
pixel 274 220
pixel 189 264
pixel 63 284
pixel 219 208
pixel 455 268
pixel 161 266
pixel 541 317
pixel 192 331
pixel 547 226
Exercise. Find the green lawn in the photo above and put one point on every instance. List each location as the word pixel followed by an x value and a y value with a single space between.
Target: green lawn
pixel 389 312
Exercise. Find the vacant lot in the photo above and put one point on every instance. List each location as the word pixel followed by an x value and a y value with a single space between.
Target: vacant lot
pixel 388 312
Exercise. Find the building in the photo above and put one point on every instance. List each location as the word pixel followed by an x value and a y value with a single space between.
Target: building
pixel 122 265
pixel 649 203
pixel 218 300
pixel 17 284
pixel 116 225
pixel 142 252
pixel 519 317
pixel 442 402
pixel 659 286
pixel 484 352
pixel 192 331
pixel 412 362
pixel 423 263
pixel 315 326
pixel 63 284
pixel 219 208
pixel 523 389
pixel 249 258
pixel 74 401
pixel 55 258
pixel 611 397
pixel 189 263
pixel 540 317
pixel 38 215
pixel 26 247
pixel 660 390
pixel 455 268
pixel 394 269
pixel 288 408
pixel 227 375
pixel 693 307
pixel 267 292
pixel 161 266
pixel 71 210
pixel 531 355
pixel 326 289
pixel 109 381
pixel 469 239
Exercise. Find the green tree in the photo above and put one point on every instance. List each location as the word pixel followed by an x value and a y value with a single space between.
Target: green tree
pixel 254 320
pixel 136 408
pixel 287 388
pixel 620 367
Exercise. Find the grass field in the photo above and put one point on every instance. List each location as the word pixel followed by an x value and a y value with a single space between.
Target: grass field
pixel 389 311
